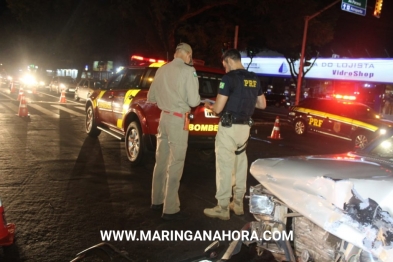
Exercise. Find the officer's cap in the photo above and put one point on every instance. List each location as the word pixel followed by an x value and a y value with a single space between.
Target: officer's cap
pixel 185 47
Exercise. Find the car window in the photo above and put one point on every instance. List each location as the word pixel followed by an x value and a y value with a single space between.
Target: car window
pixel 96 84
pixel 67 80
pixel 132 78
pixel 208 83
pixel 148 78
pixel 363 112
pixel 114 82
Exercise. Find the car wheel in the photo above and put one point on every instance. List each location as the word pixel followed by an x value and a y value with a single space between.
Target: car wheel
pixel 134 144
pixel 300 127
pixel 360 140
pixel 91 125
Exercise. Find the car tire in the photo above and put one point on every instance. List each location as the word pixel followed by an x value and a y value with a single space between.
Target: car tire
pixel 90 123
pixel 360 140
pixel 300 127
pixel 134 145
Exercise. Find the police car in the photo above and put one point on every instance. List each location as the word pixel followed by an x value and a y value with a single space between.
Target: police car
pixel 339 118
pixel 121 110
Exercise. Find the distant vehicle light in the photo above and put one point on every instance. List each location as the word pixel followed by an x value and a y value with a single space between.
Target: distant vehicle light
pixel 382 131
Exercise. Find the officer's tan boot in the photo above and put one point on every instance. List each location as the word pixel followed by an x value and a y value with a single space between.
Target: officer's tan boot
pixel 237 205
pixel 217 212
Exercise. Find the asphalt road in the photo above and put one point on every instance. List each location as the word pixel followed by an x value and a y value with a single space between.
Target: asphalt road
pixel 62 188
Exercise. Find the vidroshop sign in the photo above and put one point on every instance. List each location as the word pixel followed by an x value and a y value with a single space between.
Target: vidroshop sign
pixel 368 70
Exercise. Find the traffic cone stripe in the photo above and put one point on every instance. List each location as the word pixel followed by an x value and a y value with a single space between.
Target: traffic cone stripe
pixel 22 112
pixel 21 93
pixel 276 130
pixel 63 97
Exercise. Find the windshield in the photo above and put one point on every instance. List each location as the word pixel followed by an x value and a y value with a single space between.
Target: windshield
pixel 67 80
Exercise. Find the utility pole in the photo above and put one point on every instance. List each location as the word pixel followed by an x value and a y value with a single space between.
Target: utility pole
pixel 236 37
pixel 300 75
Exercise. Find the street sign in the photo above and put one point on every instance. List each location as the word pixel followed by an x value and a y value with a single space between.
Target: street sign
pixel 354 6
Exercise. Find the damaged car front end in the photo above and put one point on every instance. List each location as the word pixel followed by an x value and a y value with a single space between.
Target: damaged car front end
pixel 334 207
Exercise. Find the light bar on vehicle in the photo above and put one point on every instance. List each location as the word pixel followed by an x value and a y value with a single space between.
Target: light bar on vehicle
pixel 145 59
pixel 345 97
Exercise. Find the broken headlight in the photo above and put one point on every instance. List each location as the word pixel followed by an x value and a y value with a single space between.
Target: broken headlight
pixel 261 204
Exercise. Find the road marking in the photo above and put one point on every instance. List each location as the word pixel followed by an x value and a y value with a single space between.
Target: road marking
pixel 43 110
pixel 72 112
pixel 80 107
pixel 8 96
pixel 12 107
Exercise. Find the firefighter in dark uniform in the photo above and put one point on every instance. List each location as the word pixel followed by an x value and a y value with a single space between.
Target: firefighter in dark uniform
pixel 239 93
pixel 175 89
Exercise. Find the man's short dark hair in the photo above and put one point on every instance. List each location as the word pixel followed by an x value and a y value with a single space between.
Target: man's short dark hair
pixel 232 54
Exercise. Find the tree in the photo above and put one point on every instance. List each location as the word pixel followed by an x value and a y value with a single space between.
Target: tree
pixel 282 30
pixel 165 23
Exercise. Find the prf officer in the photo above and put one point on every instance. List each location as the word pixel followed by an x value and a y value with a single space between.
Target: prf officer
pixel 238 94
pixel 175 89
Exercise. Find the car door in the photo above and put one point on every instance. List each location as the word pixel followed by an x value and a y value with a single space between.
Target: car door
pixel 82 89
pixel 151 110
pixel 123 95
pixel 316 116
pixel 104 103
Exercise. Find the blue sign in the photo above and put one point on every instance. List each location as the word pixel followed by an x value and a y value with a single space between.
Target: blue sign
pixel 354 7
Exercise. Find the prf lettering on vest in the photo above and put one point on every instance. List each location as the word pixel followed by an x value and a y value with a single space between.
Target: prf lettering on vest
pixel 198 127
pixel 250 83
pixel 315 122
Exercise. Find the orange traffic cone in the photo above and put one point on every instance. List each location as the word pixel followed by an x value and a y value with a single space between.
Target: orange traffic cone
pixel 63 97
pixel 21 93
pixel 22 112
pixel 276 130
pixel 13 90
pixel 7 231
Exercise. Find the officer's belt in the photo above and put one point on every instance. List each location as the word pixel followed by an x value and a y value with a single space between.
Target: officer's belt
pixel 174 113
pixel 240 120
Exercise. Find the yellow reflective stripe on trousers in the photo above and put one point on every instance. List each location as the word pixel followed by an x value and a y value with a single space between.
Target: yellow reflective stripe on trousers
pixel 337 118
pixel 126 104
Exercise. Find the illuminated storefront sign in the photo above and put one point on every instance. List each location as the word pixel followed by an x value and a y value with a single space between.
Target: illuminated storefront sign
pixel 370 70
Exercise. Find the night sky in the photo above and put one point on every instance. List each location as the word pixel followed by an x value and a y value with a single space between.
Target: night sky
pixel 356 36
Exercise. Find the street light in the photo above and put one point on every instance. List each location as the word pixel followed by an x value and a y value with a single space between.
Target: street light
pixel 301 65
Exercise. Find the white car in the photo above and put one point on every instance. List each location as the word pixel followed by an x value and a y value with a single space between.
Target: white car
pixel 86 86
pixel 60 83
pixel 348 195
